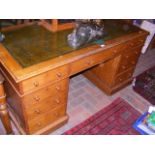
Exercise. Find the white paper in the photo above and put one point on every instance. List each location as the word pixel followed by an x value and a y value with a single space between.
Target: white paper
pixel 146 25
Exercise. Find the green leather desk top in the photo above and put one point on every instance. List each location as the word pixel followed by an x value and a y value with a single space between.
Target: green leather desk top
pixel 34 44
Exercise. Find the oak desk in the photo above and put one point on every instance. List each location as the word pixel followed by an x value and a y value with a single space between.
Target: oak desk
pixel 37 65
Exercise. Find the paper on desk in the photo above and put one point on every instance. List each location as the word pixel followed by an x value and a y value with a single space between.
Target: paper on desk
pixel 146 25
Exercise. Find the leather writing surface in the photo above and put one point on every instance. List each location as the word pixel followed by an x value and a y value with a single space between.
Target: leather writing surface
pixel 34 44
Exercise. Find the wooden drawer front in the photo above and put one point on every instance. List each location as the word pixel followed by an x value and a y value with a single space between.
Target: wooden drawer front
pixel 39 95
pixel 117 49
pixel 107 54
pixel 129 59
pixel 102 56
pixel 135 42
pixel 95 59
pixel 46 119
pixel 123 77
pixel 42 79
pixel 81 65
pixel 46 105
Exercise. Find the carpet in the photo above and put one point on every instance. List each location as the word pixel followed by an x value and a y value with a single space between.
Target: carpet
pixel 115 119
pixel 145 85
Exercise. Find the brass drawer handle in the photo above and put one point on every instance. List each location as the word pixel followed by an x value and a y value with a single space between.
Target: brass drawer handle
pixel 57 101
pixel 133 62
pixel 39 124
pixel 123 67
pixel 120 79
pixel 115 51
pixel 37 111
pixel 131 44
pixel 56 114
pixel 126 56
pixel 37 98
pixel 88 62
pixel 136 52
pixel 36 83
pixel 57 87
pixel 59 75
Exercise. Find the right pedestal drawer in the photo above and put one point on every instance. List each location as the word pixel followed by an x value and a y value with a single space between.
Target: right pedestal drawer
pixel 123 77
pixel 129 59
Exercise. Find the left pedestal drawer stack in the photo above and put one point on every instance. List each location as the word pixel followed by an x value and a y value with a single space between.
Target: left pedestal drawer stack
pixel 41 109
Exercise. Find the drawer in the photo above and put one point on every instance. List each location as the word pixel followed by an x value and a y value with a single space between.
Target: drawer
pixel 129 59
pixel 52 90
pixel 102 56
pixel 46 119
pixel 135 42
pixel 44 78
pixel 45 105
pixel 81 65
pixel 118 48
pixel 95 59
pixel 107 54
pixel 123 77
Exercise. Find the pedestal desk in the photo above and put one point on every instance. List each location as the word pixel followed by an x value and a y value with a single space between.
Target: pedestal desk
pixel 37 65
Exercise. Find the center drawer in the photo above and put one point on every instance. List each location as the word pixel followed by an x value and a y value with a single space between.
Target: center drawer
pixel 81 65
pixel 92 60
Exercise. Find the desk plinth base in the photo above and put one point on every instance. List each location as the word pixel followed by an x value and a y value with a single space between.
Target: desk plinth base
pixel 46 130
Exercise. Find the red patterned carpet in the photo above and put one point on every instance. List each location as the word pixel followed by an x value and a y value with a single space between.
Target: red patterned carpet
pixel 115 119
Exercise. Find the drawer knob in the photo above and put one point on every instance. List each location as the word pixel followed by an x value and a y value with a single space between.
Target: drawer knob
pixel 88 62
pixel 126 56
pixel 37 111
pixel 56 114
pixel 37 98
pixel 57 101
pixel 141 40
pixel 36 83
pixel 115 51
pixel 120 79
pixel 136 52
pixel 39 124
pixel 124 67
pixel 133 62
pixel 59 75
pixel 57 87
pixel 131 44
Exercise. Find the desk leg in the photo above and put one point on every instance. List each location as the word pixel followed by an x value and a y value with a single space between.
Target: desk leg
pixel 4 115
